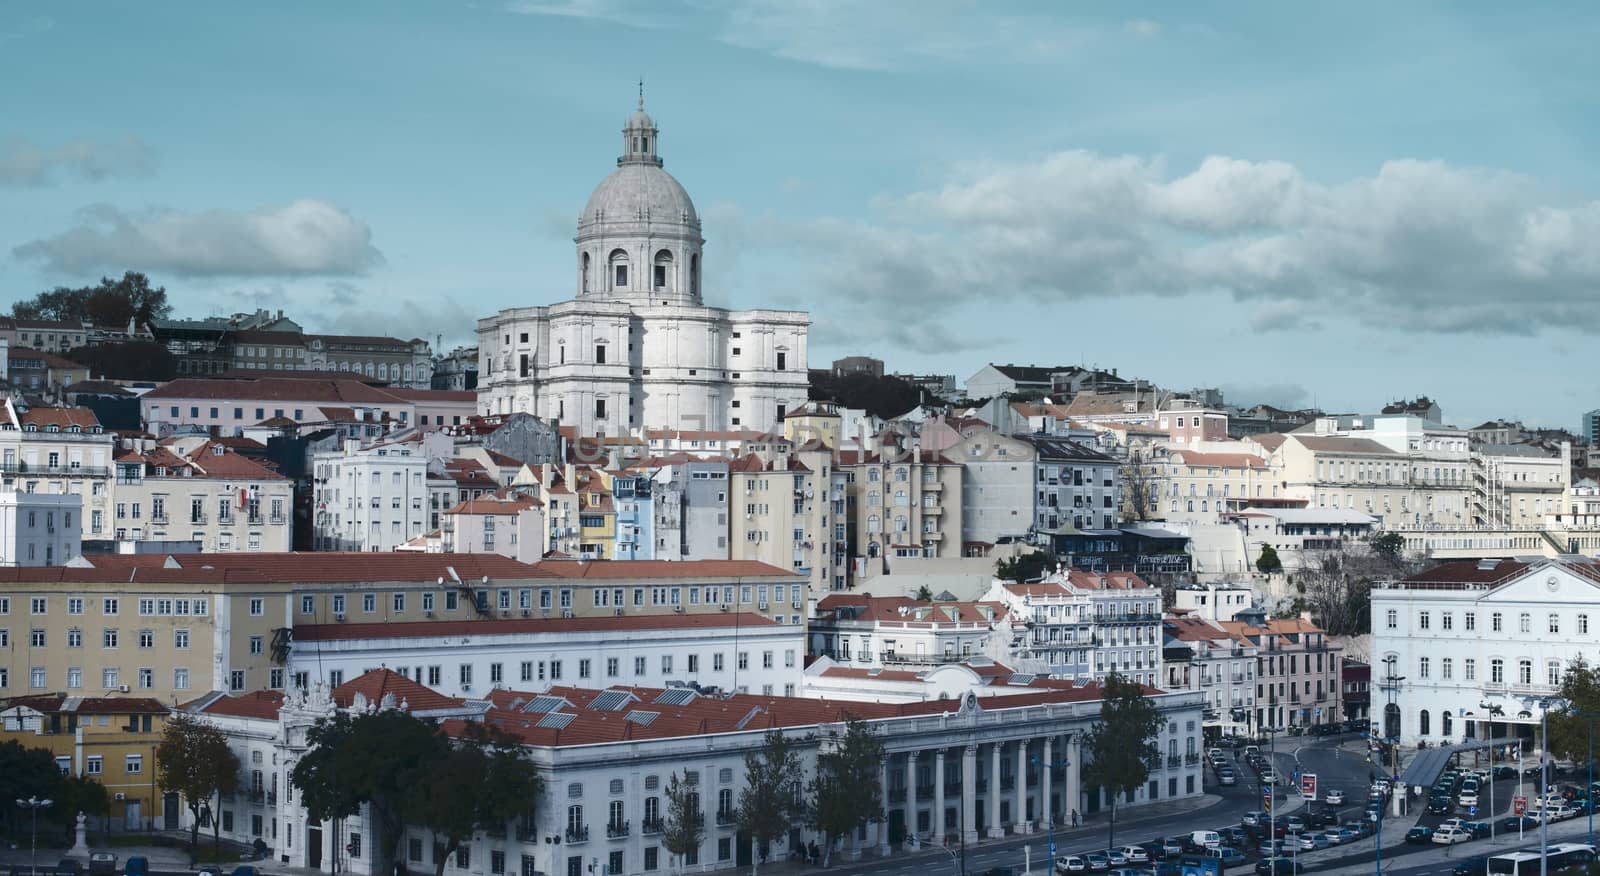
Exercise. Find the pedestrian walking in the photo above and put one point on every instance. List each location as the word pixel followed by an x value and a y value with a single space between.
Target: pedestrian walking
pixel 1076 820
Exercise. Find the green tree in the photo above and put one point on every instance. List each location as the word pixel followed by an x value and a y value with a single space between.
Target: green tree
pixel 1120 747
pixel 480 782
pixel 885 397
pixel 1569 725
pixel 194 760
pixel 845 793
pixel 685 823
pixel 1268 561
pixel 1023 567
pixel 768 804
pixel 25 772
pixel 924 594
pixel 79 794
pixel 374 758
pixel 113 303
pixel 1389 545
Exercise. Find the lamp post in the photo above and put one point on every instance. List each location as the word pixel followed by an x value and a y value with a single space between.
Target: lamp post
pixel 1391 684
pixel 1544 705
pixel 1493 710
pixel 34 804
pixel 1050 823
pixel 1272 731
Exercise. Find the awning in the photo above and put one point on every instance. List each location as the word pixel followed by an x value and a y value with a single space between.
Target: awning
pixel 1430 763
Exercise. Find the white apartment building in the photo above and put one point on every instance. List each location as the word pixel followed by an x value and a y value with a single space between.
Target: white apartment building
pixel 368 499
pixel 1516 485
pixel 513 527
pixel 40 529
pixel 59 451
pixel 954 769
pixel 875 632
pixel 210 495
pixel 741 652
pixel 1466 633
pixel 1087 625
pixel 1213 602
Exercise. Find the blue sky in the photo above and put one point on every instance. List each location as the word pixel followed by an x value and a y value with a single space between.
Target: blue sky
pixel 1342 204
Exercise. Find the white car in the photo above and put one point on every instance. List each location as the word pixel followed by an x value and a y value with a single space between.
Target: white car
pixel 1446 836
pixel 1467 798
pixel 1268 777
pixel 1135 854
pixel 1334 797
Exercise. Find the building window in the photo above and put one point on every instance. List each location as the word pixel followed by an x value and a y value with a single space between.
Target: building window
pixel 1583 625
pixel 1495 624
pixel 1497 671
pixel 1555 623
pixel 1423 620
pixel 1423 664
pixel 1472 621
pixel 1392 619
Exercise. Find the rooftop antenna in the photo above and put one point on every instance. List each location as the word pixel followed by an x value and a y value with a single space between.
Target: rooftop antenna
pixel 641 92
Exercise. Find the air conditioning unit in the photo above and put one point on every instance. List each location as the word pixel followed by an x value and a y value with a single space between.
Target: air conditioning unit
pixel 119 796
pixel 527 612
pixel 122 688
pixel 678 609
pixel 566 612
pixel 724 607
pixel 618 612
pixel 762 606
pixel 505 613
pixel 466 687
pixel 339 617
pixel 427 614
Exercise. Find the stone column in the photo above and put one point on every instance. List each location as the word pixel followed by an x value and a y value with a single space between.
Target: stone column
pixel 1046 816
pixel 1072 793
pixel 883 789
pixel 1019 805
pixel 911 800
pixel 937 821
pixel 995 830
pixel 968 822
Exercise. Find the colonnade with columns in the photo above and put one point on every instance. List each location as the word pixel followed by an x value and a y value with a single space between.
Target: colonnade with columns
pixel 959 775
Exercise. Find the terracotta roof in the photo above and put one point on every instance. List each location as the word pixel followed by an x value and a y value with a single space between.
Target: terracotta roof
pixel 229 464
pixel 48 324
pixel 366 340
pixel 120 706
pixel 905 610
pixel 1269 440
pixel 495 505
pixel 321 566
pixel 739 712
pixel 1220 460
pixel 261 704
pixel 1472 572
pixel 63 417
pixel 346 391
pixel 375 684
pixel 438 396
pixel 535 625
pixel 49 359
pixel 1341 444
pixel 609 569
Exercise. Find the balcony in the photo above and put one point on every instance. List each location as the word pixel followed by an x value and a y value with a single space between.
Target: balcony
pixel 1191 758
pixel 277 519
pixel 650 826
pixel 578 834
pixel 1173 761
pixel 253 520
pixel 527 833
pixel 616 830
pixel 897 795
pixel 725 818
pixel 34 468
pixel 898 658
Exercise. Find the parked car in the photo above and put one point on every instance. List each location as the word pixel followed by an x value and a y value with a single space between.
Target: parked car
pixel 1296 823
pixel 1419 834
pixel 1439 806
pixel 68 867
pixel 245 870
pixel 1203 839
pixel 1349 835
pixel 1171 847
pixel 1097 861
pixel 1505 772
pixel 1230 856
pixel 1478 866
pixel 1268 777
pixel 1279 867
pixel 136 865
pixel 1478 829
pixel 1445 836
pixel 1515 823
pixel 1135 854
pixel 1071 864
pixel 1115 857
pixel 1269 848
pixel 1253 819
pixel 1227 777
pixel 1334 797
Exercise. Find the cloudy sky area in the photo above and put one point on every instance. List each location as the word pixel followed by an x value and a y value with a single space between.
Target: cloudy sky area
pixel 1340 206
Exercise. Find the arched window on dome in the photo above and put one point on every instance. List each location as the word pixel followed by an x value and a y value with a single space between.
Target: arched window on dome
pixel 663 271
pixel 619 269
pixel 586 268
pixel 694 274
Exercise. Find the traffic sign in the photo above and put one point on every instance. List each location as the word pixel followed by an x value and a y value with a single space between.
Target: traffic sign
pixel 1308 786
pixel 1519 805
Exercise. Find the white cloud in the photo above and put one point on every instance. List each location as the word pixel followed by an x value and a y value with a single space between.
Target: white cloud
pixel 24 163
pixel 307 237
pixel 1143 27
pixel 1418 246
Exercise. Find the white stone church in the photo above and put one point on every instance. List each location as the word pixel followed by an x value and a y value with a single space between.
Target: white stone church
pixel 636 348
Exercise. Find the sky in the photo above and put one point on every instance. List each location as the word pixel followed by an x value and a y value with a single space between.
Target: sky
pixel 1339 205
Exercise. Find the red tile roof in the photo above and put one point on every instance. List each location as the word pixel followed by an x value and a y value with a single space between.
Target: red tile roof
pixel 720 569
pixel 416 697
pixel 261 704
pixel 515 626
pixel 83 418
pixel 905 610
pixel 347 391
pixel 1220 460
pixel 495 505
pixel 229 464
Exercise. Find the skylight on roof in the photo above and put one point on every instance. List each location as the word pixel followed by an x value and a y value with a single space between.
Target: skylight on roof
pixel 1019 678
pixel 641 718
pixel 556 720
pixel 676 696
pixel 613 700
pixel 546 704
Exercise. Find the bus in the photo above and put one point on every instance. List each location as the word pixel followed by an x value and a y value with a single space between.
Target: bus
pixel 1525 862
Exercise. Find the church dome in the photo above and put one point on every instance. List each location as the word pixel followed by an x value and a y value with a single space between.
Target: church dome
pixel 636 192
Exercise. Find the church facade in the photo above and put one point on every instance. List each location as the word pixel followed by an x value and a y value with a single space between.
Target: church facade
pixel 636 348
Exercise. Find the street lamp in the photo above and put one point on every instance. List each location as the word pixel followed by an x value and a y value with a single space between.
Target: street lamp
pixel 1391 683
pixel 1492 710
pixel 1272 731
pixel 34 804
pixel 1050 823
pixel 1544 705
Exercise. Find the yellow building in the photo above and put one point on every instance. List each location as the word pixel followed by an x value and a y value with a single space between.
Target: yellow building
pixel 111 740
